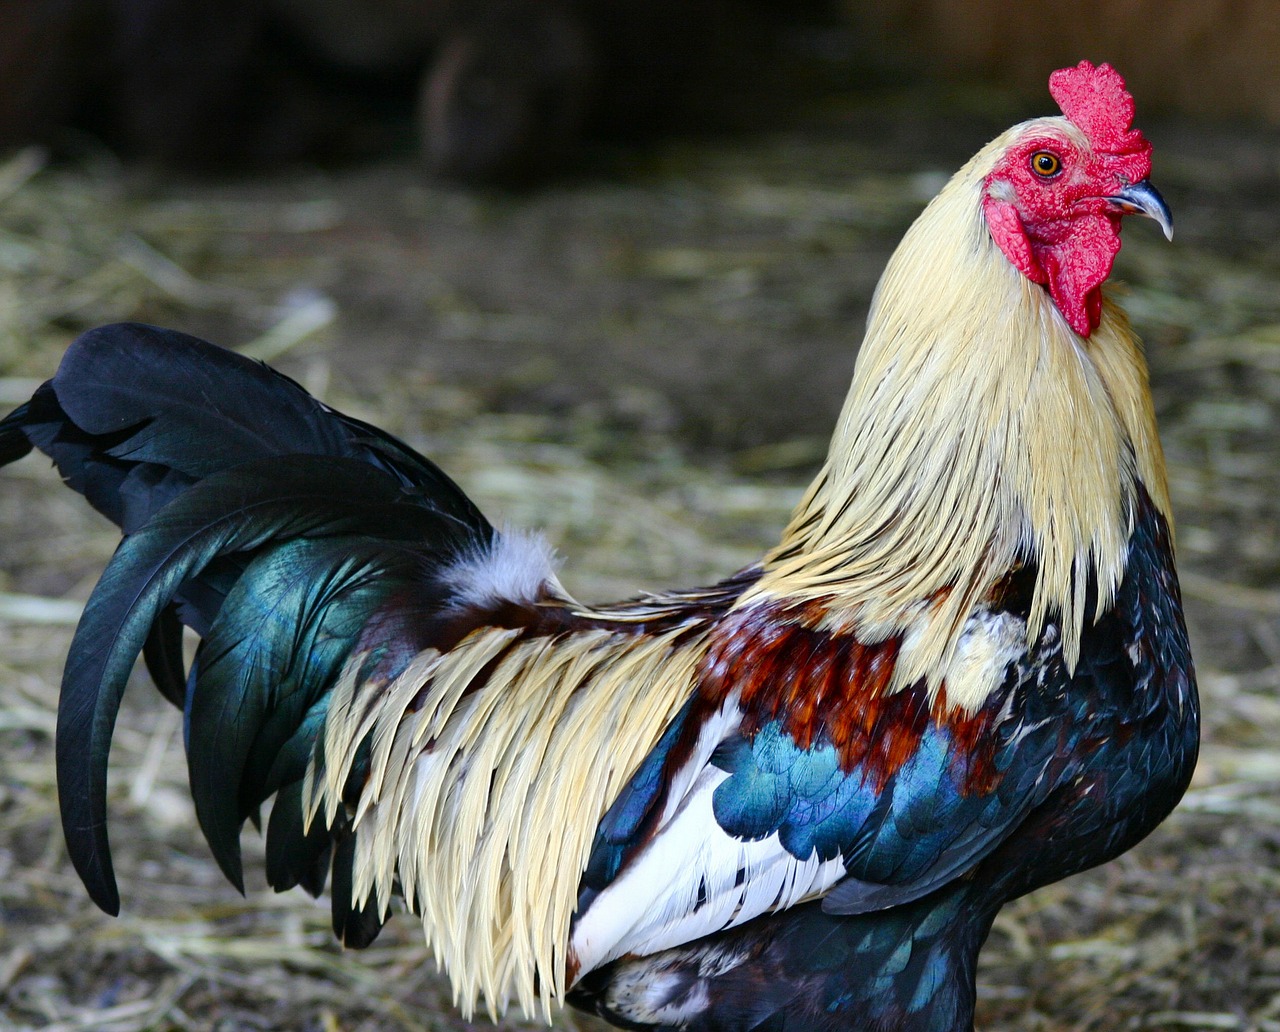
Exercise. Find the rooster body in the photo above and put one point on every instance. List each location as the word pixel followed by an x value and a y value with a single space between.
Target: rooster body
pixel 793 800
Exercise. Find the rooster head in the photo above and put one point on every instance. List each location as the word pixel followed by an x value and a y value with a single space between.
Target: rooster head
pixel 1055 198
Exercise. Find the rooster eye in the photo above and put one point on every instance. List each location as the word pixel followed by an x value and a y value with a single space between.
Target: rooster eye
pixel 1046 164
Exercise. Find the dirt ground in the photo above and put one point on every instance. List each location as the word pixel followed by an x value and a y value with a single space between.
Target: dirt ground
pixel 645 361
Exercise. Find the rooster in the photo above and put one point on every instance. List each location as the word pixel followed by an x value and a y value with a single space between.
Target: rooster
pixel 794 800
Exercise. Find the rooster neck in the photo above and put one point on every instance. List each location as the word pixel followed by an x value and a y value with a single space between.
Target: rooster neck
pixel 979 432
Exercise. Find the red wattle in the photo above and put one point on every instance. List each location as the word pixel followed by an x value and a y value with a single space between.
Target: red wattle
pixel 1072 257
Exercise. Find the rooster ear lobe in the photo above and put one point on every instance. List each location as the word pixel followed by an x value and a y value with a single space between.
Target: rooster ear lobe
pixel 1010 236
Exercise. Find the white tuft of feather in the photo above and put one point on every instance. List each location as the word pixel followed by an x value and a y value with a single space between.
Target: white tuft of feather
pixel 988 644
pixel 518 566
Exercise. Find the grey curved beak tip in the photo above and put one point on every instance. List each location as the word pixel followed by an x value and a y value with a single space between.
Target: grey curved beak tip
pixel 1144 199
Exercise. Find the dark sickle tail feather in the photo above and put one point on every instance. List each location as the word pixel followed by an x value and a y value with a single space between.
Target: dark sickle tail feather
pixel 275 527
pixel 136 414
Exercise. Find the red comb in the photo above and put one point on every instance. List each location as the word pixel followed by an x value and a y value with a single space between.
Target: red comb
pixel 1097 102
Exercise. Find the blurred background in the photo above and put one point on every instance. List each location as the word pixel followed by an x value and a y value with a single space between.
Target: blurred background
pixel 608 262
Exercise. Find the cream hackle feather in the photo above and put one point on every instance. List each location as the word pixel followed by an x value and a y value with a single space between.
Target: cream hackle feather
pixel 484 796
pixel 979 429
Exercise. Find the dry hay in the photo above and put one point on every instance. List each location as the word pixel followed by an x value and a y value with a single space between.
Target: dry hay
pixel 1182 933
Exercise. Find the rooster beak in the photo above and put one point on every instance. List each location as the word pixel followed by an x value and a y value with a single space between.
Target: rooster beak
pixel 1144 199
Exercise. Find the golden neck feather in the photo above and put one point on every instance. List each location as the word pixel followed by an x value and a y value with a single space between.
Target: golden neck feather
pixel 979 429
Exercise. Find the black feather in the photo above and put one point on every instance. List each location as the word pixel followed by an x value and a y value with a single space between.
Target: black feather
pixel 237 510
pixel 14 440
pixel 162 652
pixel 296 856
pixel 136 414
pixel 355 927
pixel 193 409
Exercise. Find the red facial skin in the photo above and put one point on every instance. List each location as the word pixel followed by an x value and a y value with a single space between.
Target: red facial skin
pixel 1059 229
